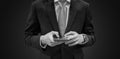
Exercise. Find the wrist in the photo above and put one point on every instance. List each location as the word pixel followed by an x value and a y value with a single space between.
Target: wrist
pixel 85 39
pixel 42 42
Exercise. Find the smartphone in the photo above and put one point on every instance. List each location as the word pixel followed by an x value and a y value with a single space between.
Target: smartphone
pixel 60 40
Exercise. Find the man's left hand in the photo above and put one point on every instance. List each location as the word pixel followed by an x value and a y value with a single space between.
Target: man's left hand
pixel 73 38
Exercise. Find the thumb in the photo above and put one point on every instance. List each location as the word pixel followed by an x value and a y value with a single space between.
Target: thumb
pixel 51 38
pixel 56 33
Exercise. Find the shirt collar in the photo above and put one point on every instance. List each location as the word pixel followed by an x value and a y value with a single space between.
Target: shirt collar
pixel 58 0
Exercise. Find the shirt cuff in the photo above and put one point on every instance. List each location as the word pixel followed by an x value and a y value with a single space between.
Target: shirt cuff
pixel 43 45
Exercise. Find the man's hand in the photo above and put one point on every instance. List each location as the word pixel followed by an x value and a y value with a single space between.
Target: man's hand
pixel 73 38
pixel 49 39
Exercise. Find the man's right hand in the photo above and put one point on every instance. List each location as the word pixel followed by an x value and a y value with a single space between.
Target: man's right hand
pixel 49 39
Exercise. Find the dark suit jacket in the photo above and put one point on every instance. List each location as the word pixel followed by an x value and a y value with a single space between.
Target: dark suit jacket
pixel 42 19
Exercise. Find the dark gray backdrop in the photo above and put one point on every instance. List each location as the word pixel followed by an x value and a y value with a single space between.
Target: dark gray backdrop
pixel 14 14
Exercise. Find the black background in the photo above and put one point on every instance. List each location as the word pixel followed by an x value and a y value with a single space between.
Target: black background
pixel 14 14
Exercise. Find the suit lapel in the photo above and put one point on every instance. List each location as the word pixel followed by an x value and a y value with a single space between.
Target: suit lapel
pixel 52 16
pixel 72 14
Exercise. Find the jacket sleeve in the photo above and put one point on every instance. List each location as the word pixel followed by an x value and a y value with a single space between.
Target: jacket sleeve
pixel 88 29
pixel 32 29
pixel 33 33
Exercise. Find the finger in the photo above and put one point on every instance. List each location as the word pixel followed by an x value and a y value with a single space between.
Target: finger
pixel 55 33
pixel 51 38
pixel 69 33
pixel 52 45
pixel 48 43
pixel 51 35
pixel 73 40
pixel 58 43
pixel 75 43
pixel 74 34
pixel 71 37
